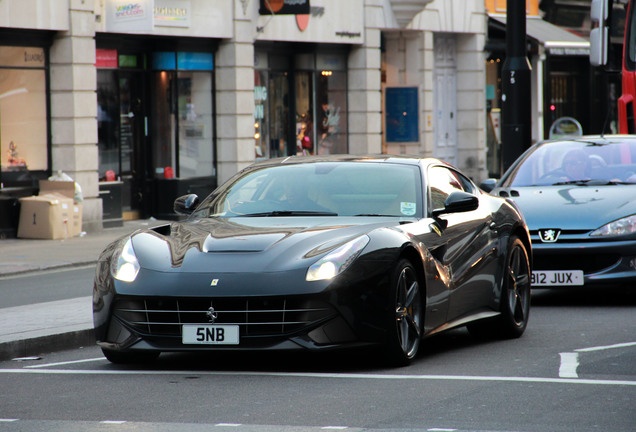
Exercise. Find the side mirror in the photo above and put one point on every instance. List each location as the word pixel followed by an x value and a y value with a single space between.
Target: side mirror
pixel 488 185
pixel 458 202
pixel 185 205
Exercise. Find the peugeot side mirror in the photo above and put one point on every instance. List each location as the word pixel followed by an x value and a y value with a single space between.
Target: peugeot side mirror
pixel 488 185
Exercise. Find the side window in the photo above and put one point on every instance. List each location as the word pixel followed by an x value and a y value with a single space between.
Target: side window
pixel 442 182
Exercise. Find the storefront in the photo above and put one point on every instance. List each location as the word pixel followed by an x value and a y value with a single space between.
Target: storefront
pixel 300 103
pixel 155 122
pixel 24 122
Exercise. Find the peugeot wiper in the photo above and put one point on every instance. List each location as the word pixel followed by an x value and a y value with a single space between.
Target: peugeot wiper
pixel 291 213
pixel 591 182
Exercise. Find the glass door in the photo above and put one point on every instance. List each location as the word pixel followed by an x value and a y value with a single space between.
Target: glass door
pixel 121 134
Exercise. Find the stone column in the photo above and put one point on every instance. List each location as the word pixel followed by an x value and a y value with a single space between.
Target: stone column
pixel 365 87
pixel 74 108
pixel 235 98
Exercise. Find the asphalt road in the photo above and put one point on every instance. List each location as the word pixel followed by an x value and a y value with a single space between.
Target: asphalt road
pixel 573 370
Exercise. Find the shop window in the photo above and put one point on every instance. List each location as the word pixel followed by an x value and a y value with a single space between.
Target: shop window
pixel 300 110
pixel 182 115
pixel 23 114
pixel 331 92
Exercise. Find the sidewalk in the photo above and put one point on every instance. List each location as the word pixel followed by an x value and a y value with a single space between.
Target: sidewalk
pixel 52 326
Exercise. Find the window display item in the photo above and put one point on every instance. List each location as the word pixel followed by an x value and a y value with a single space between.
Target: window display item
pixel 14 159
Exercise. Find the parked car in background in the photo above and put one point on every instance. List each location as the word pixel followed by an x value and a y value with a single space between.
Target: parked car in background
pixel 318 253
pixel 579 200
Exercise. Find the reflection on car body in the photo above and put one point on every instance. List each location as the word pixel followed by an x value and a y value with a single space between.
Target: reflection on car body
pixel 579 199
pixel 318 253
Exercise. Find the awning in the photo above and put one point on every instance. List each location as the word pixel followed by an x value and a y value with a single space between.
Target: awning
pixel 555 39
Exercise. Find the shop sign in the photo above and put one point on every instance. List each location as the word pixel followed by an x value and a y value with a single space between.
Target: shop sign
pixel 284 7
pixel 172 13
pixel 22 57
pixel 106 58
pixel 129 15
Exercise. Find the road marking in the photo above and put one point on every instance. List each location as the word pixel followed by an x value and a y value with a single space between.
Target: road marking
pixel 65 363
pixel 334 427
pixel 569 364
pixel 7 420
pixel 570 360
pixel 228 424
pixel 606 347
pixel 114 422
pixel 544 380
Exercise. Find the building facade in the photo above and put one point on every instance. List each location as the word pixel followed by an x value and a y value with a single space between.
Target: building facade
pixel 142 101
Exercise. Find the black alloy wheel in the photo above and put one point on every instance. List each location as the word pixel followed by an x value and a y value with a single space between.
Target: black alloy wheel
pixel 129 357
pixel 405 324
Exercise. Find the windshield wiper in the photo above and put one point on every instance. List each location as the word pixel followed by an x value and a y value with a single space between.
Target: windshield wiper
pixel 291 213
pixel 591 182
pixel 375 215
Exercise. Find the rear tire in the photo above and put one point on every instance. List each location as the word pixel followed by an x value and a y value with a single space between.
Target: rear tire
pixel 129 357
pixel 515 297
pixel 406 315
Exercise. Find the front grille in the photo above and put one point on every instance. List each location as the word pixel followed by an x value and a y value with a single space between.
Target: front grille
pixel 587 263
pixel 259 316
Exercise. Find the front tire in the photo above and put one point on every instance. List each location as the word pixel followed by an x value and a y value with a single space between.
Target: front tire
pixel 406 315
pixel 515 297
pixel 129 357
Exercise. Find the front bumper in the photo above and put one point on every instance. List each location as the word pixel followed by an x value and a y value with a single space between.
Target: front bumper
pixel 340 314
pixel 604 263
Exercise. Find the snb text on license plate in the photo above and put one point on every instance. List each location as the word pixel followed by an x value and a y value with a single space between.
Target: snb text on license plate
pixel 557 277
pixel 210 334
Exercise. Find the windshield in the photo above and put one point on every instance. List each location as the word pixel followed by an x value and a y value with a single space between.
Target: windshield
pixel 565 162
pixel 320 189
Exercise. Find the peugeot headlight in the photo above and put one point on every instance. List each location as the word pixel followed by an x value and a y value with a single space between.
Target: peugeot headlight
pixel 336 261
pixel 619 227
pixel 125 265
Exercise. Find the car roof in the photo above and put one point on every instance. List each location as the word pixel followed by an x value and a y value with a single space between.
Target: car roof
pixel 597 139
pixel 400 159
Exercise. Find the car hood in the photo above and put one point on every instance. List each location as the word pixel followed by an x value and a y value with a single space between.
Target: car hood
pixel 572 207
pixel 269 244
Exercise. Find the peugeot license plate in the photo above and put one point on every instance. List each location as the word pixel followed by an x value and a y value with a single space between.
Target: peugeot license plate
pixel 557 278
pixel 210 334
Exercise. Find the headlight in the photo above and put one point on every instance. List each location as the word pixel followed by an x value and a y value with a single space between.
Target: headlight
pixel 336 261
pixel 125 266
pixel 617 228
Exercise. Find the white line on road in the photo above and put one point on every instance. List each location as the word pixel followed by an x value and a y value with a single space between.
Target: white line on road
pixel 606 347
pixel 327 375
pixel 65 363
pixel 570 360
pixel 569 364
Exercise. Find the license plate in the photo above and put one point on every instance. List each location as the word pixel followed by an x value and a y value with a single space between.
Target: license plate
pixel 210 334
pixel 557 278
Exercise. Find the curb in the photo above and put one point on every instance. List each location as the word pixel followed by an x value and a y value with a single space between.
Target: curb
pixel 47 344
pixel 52 267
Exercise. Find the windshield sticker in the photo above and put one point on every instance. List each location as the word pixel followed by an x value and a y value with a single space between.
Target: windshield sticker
pixel 407 208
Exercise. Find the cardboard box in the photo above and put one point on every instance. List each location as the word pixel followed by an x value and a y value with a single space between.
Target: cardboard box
pixel 47 216
pixel 76 220
pixel 52 214
pixel 66 188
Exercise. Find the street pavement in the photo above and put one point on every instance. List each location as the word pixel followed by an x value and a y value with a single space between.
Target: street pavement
pixel 39 328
